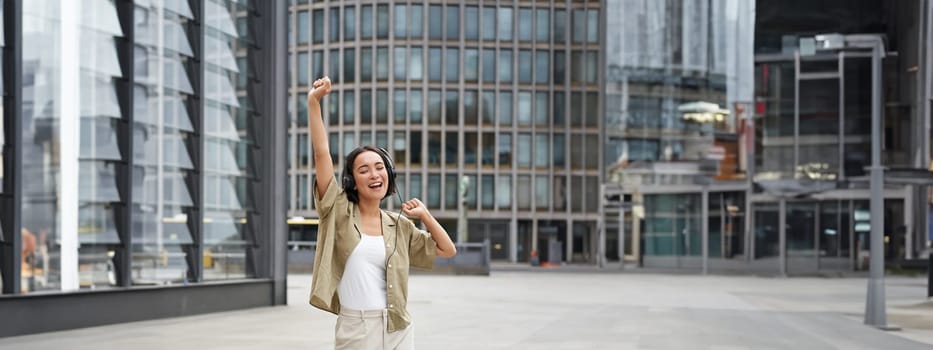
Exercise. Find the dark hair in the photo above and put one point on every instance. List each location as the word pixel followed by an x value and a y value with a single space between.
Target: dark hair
pixel 349 182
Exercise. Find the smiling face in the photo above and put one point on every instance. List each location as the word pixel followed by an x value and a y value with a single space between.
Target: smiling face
pixel 371 176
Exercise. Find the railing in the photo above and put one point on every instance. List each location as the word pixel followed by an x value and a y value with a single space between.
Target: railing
pixel 471 258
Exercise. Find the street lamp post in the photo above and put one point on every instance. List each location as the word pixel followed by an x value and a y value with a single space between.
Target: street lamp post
pixel 875 313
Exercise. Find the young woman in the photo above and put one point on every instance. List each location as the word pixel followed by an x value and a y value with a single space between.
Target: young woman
pixel 363 253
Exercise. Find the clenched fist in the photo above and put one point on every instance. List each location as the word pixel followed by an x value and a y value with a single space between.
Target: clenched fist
pixel 414 208
pixel 319 89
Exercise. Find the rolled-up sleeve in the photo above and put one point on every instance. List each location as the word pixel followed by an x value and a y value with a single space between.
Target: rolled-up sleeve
pixel 325 203
pixel 421 249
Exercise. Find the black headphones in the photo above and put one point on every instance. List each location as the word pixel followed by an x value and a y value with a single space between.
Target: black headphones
pixel 349 183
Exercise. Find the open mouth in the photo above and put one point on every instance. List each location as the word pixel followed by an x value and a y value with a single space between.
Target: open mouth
pixel 375 185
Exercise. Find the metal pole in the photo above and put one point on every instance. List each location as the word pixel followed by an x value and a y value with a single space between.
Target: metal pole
pixel 622 236
pixel 704 228
pixel 875 304
pixel 782 235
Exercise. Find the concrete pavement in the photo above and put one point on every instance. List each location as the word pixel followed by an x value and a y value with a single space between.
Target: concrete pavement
pixel 546 310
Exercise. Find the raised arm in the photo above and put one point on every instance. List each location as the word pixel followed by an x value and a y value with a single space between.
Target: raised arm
pixel 322 162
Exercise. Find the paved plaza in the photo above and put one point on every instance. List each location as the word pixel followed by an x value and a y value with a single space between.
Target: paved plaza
pixel 560 310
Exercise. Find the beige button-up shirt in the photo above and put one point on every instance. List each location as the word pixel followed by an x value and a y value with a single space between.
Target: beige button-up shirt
pixel 339 233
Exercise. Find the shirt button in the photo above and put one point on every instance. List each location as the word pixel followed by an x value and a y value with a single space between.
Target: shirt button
pixel 388 245
pixel 390 286
pixel 390 265
pixel 391 306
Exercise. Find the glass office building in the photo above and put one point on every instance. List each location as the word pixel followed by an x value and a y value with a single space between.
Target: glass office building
pixel 138 147
pixel 738 144
pixel 503 94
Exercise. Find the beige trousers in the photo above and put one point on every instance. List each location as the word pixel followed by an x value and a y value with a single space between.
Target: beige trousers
pixel 366 329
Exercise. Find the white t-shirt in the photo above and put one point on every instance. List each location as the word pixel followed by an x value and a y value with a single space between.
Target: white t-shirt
pixel 363 285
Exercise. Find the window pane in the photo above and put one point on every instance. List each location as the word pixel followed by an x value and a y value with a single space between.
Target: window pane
pixel 470 112
pixel 415 105
pixel 489 65
pixel 505 66
pixel 542 192
pixel 560 26
pixel 434 148
pixel 489 107
pixel 576 109
pixel 505 24
pixel 435 56
pixel 591 68
pixel 382 21
pixel 452 108
pixel 505 108
pixel 349 23
pixel 415 145
pixel 399 106
pixel 382 63
pixel 470 64
pixel 382 106
pixel 334 26
pixel 592 111
pixel 579 26
pixel 558 150
pixel 488 142
pixel 450 191
pixel 591 149
pixel 334 69
pixel 366 107
pixel 504 192
pixel 592 26
pixel 489 190
pixel 382 139
pixel 349 65
pixel 542 156
pixel 470 145
pixel 303 66
pixel 453 21
pixel 401 20
pixel 489 23
pixel 505 150
pixel 366 22
pixel 523 192
pixel 576 151
pixel 434 191
pixel 524 108
pixel 525 17
pixel 366 64
pixel 523 149
pixel 471 26
pixel 434 107
pixel 318 22
pixel 414 186
pixel 559 67
pixel 576 66
pixel 451 142
pixel 417 21
pixel 435 25
pixel 347 109
pixel 541 106
pixel 401 64
pixel 317 64
pixel 304 28
pixel 524 69
pixel 542 25
pixel 453 65
pixel 415 67
pixel 542 67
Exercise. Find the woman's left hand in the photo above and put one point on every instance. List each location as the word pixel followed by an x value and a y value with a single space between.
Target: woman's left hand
pixel 414 208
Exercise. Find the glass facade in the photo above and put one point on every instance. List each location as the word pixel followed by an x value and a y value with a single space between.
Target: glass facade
pixel 138 136
pixel 476 92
